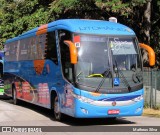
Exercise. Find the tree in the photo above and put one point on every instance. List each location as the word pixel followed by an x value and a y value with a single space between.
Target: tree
pixel 19 16
pixel 143 16
pixel 81 9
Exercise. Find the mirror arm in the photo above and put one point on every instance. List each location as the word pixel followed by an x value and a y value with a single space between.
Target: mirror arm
pixel 151 53
pixel 73 51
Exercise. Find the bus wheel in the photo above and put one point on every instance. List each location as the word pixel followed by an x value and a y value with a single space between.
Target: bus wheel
pixel 15 100
pixel 57 113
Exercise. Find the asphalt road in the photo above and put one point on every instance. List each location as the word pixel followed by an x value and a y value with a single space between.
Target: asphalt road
pixel 26 114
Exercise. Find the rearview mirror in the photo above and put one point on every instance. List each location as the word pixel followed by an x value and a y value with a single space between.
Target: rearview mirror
pixel 73 51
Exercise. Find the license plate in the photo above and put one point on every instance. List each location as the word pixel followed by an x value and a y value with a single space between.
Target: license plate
pixel 113 111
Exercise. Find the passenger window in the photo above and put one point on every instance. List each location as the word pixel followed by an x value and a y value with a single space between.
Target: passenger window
pixel 51 52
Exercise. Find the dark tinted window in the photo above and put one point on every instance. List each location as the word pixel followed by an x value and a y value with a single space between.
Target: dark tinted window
pixel 51 52
pixel 65 55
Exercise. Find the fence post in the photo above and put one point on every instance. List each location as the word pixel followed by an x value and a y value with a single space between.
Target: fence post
pixel 155 89
pixel 151 91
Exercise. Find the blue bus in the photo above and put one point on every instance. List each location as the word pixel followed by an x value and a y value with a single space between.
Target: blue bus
pixel 1 74
pixel 81 68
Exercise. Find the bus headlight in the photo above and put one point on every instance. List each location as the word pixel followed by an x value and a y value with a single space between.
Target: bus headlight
pixel 83 99
pixel 138 98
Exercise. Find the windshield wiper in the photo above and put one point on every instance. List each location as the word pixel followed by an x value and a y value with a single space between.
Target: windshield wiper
pixel 125 81
pixel 106 73
pixel 79 74
pixel 136 77
pixel 122 76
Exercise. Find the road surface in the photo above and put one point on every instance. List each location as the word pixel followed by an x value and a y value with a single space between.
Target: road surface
pixel 26 114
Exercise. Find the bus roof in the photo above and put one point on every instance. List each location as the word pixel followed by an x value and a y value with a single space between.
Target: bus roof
pixel 79 26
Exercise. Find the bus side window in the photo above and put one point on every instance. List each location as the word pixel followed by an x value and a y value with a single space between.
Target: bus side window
pixel 65 55
pixel 51 52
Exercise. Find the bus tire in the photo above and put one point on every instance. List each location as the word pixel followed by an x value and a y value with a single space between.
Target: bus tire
pixel 57 114
pixel 14 95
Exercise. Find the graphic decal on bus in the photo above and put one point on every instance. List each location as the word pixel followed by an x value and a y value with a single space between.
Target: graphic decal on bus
pixel 68 96
pixel 29 93
pixel 39 66
pixel 43 93
pixel 24 90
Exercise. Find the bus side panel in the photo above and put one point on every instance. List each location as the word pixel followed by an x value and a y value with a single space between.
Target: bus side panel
pixel 67 100
pixel 32 81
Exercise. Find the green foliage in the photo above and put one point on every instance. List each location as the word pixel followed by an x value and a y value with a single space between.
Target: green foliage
pixel 18 16
pixel 74 9
pixel 1 45
pixel 58 6
pixel 114 6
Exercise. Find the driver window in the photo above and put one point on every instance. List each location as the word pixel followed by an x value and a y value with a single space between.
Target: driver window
pixel 67 67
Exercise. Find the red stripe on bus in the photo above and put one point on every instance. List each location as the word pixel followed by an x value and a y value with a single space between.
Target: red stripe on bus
pixel 42 29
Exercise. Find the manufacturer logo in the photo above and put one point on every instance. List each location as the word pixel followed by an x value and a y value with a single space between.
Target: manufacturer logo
pixel 114 103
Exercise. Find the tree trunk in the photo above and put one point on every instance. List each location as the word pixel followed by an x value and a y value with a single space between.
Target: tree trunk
pixel 147 20
pixel 147 30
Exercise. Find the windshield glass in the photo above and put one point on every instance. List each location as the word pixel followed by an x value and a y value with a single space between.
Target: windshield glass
pixel 102 60
pixel 124 53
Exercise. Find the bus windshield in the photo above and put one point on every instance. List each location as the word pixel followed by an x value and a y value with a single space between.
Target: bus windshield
pixel 101 59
